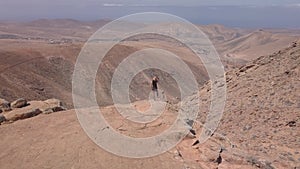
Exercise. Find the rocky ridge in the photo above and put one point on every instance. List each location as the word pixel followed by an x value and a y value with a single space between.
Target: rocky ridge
pixel 260 127
pixel 23 109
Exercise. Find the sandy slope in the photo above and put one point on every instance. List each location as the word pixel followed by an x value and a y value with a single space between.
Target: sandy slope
pixel 57 141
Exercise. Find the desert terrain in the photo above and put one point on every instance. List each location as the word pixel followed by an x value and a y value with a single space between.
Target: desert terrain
pixel 259 127
pixel 38 56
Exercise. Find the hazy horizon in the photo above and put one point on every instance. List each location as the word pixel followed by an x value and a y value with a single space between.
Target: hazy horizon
pixel 232 13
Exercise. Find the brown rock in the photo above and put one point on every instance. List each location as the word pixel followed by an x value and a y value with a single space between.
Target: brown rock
pixel 34 108
pixel 22 114
pixel 2 118
pixel 19 103
pixel 53 102
pixel 4 105
pixel 52 105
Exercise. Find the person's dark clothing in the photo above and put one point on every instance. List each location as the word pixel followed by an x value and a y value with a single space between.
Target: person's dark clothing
pixel 154 84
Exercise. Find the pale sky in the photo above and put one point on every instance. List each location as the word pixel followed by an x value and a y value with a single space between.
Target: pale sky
pixel 253 13
pixel 16 4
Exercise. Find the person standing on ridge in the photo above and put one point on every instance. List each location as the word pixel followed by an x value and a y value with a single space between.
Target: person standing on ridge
pixel 155 86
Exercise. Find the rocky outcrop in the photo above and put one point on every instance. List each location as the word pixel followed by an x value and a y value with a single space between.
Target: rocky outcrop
pixel 23 109
pixel 19 103
pixel 2 118
pixel 22 114
pixel 53 105
pixel 261 117
pixel 4 105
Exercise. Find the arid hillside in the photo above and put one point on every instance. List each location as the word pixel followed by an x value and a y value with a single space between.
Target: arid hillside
pixel 259 128
pixel 262 113
pixel 36 70
pixel 37 58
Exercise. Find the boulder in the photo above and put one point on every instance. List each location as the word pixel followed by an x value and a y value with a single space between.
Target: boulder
pixel 22 114
pixel 2 118
pixel 55 102
pixel 52 105
pixel 19 103
pixel 4 105
pixel 48 111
